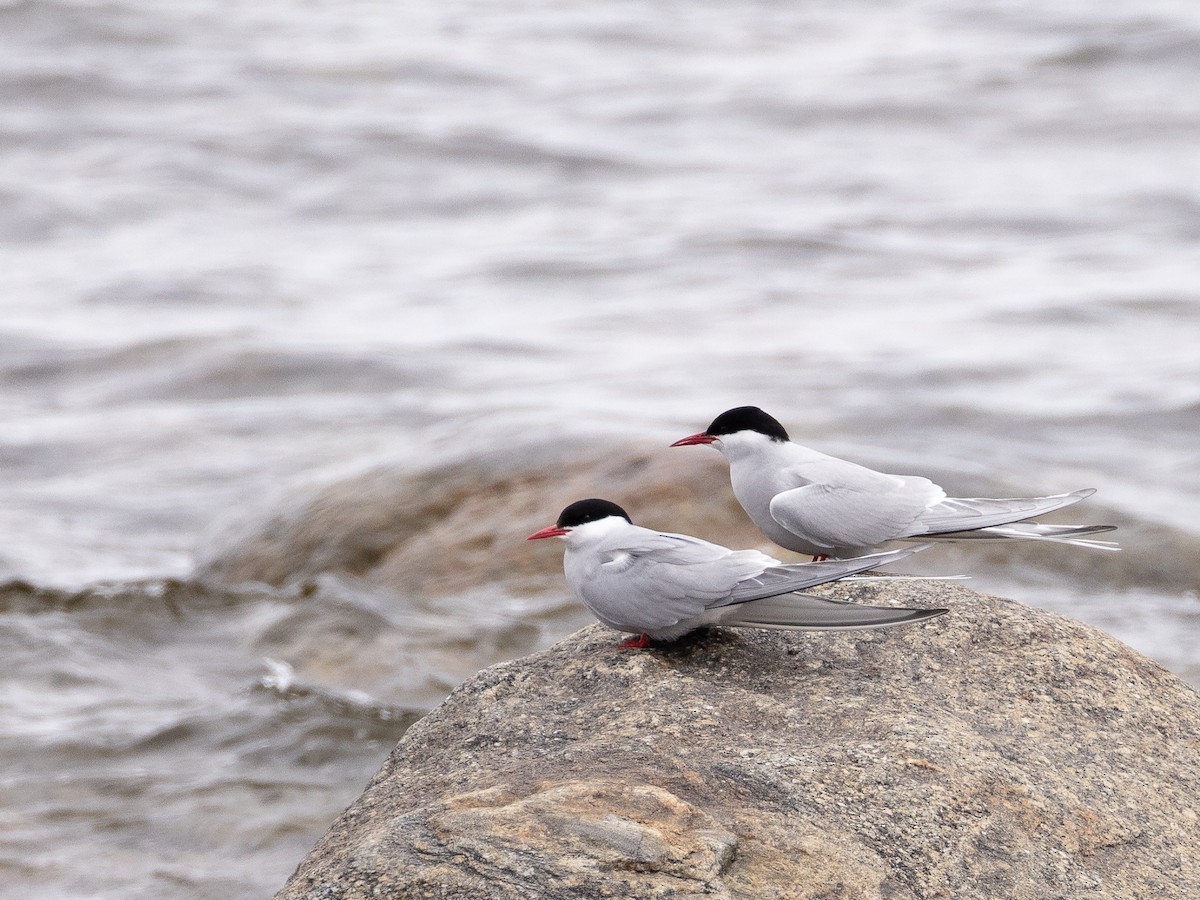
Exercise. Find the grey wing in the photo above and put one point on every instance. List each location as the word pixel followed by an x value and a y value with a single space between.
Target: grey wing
pixel 804 612
pixel 657 580
pixel 782 579
pixel 969 513
pixel 831 515
pixel 632 602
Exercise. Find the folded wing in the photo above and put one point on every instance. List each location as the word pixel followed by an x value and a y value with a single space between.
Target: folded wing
pixel 830 515
pixel 782 579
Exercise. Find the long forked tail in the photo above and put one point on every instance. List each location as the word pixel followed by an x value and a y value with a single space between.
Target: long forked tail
pixel 806 612
pixel 998 518
pixel 1076 535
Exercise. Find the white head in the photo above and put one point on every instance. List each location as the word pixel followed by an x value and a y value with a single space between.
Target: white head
pixel 741 431
pixel 585 521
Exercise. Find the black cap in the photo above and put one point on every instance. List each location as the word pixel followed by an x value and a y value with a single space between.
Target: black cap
pixel 747 418
pixel 583 511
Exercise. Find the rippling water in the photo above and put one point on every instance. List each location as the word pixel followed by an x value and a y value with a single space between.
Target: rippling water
pixel 308 314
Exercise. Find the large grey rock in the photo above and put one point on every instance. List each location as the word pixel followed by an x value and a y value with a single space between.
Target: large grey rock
pixel 996 752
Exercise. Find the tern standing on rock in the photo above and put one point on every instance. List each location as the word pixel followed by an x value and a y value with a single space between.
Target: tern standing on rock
pixel 661 586
pixel 828 507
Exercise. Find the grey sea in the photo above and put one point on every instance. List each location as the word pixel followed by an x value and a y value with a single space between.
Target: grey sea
pixel 309 313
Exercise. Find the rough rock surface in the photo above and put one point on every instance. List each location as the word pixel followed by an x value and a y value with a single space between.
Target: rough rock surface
pixel 998 751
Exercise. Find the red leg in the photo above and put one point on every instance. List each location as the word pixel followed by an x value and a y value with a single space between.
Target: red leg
pixel 637 643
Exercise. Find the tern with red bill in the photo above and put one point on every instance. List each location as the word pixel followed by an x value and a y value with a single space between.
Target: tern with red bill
pixel 661 586
pixel 828 507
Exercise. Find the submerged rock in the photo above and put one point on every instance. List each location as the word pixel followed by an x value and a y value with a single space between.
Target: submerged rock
pixel 998 751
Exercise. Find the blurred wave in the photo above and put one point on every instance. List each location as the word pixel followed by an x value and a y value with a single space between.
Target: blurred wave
pixel 310 313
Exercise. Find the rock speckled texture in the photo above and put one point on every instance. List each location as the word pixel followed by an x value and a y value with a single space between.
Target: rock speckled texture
pixel 996 752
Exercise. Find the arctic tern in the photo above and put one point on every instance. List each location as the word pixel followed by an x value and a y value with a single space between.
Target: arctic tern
pixel 661 586
pixel 828 507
